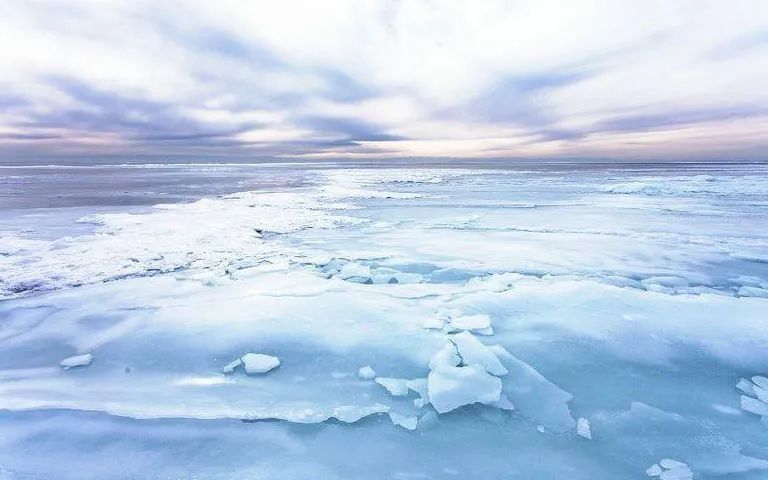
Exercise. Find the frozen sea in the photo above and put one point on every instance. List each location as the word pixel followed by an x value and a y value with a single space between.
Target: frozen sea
pixel 568 321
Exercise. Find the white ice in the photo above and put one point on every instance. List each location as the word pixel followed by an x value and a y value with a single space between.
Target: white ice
pixel 77 361
pixel 452 387
pixel 473 352
pixel 405 421
pixel 583 428
pixel 366 372
pixel 256 363
pixel 595 282
pixel 395 386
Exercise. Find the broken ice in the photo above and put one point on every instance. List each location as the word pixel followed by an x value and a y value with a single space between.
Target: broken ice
pixel 504 311
pixel 77 361
pixel 256 363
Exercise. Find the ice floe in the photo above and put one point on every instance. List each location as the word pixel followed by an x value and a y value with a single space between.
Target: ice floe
pixel 755 398
pixel 366 373
pixel 591 295
pixel 406 421
pixel 583 428
pixel 395 386
pixel 478 323
pixel 231 366
pixel 452 387
pixel 669 469
pixel 256 363
pixel 473 352
pixel 536 397
pixel 77 361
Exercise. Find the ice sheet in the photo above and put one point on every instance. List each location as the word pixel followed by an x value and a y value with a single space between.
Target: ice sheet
pixel 506 315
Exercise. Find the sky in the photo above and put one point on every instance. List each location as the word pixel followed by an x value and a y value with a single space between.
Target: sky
pixel 660 80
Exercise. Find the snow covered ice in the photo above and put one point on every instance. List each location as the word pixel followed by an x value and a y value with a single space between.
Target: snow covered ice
pixel 426 322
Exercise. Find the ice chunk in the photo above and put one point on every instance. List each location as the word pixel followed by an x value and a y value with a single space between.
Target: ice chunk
pixel 381 278
pixel 753 405
pixel 419 385
pixel 396 386
pixel 670 463
pixel 536 397
pixel 366 372
pixel 231 366
pixel 77 361
pixel 761 393
pixel 201 381
pixel 428 420
pixel 402 277
pixel 669 469
pixel 745 386
pixel 501 352
pixel 446 356
pixel 725 409
pixel 452 387
pixel 351 270
pixel 760 381
pixel 405 421
pixel 433 323
pixel 259 363
pixel 472 351
pixel 353 413
pixel 363 280
pixel 582 428
pixel 503 403
pixel 753 292
pixel 654 470
pixel 665 281
pixel 677 473
pixel 484 331
pixel 471 322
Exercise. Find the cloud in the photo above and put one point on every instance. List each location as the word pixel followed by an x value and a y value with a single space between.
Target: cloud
pixel 625 79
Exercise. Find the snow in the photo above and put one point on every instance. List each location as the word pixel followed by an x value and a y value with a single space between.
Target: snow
pixel 366 373
pixel 77 361
pixel 256 363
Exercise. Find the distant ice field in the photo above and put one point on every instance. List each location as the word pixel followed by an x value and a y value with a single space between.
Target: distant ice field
pixel 564 321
